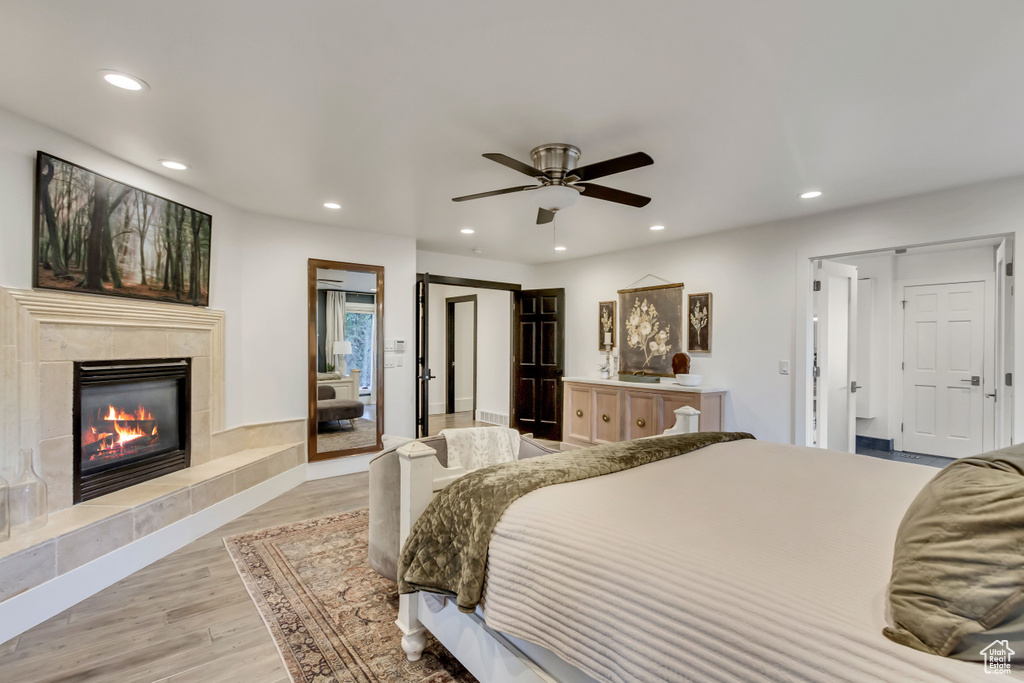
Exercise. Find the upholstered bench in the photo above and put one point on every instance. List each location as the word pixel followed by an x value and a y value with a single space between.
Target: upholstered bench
pixel 385 506
pixel 329 408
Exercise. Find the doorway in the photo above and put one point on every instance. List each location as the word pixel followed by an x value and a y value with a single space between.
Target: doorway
pixel 912 351
pixel 461 354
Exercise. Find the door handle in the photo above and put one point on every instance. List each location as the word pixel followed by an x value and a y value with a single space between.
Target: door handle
pixel 975 380
pixel 854 387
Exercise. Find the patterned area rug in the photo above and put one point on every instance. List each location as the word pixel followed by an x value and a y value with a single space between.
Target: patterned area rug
pixel 331 616
pixel 337 436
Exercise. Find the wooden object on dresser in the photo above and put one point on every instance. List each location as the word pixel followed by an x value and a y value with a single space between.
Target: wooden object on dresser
pixel 345 387
pixel 602 411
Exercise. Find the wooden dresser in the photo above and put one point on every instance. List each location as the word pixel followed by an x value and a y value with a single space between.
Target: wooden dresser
pixel 604 410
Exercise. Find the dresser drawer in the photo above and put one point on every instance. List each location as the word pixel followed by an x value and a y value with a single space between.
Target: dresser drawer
pixel 580 414
pixel 641 415
pixel 607 416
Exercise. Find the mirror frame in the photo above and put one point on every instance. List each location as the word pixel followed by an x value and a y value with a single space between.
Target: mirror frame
pixel 378 361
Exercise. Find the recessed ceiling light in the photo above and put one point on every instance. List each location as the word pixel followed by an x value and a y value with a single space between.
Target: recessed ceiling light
pixel 810 195
pixel 559 248
pixel 657 227
pixel 332 205
pixel 123 80
pixel 467 231
pixel 478 251
pixel 176 165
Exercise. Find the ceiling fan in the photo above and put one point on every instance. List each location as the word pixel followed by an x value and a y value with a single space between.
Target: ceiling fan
pixel 562 182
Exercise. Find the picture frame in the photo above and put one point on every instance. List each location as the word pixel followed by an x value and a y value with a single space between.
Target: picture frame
pixel 651 329
pixel 698 323
pixel 146 246
pixel 605 325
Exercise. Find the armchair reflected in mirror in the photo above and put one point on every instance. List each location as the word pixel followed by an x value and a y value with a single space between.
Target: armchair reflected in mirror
pixel 346 392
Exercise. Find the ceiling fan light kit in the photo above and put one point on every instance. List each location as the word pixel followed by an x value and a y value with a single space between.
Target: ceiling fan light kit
pixel 562 181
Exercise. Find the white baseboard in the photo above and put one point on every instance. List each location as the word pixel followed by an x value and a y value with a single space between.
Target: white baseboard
pixel 36 605
pixel 463 404
pixel 351 464
pixel 436 409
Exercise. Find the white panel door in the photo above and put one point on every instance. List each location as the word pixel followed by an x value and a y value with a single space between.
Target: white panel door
pixel 836 308
pixel 944 367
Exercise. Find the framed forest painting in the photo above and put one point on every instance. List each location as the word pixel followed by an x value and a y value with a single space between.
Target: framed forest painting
pixel 96 235
pixel 650 329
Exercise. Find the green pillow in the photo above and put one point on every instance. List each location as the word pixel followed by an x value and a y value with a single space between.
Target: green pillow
pixel 958 567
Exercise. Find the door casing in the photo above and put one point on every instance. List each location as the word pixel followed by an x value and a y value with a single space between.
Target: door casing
pixel 422 294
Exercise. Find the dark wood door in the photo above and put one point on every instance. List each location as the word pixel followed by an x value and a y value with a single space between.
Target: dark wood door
pixel 423 375
pixel 540 355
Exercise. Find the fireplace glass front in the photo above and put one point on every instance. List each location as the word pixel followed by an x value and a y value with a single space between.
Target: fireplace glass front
pixel 131 422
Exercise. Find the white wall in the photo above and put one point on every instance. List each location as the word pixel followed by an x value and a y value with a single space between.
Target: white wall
pixel 475 268
pixel 274 254
pixel 258 277
pixel 19 141
pixel 494 350
pixel 760 278
pixel 887 271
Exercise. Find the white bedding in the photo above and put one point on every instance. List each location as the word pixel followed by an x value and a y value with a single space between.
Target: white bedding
pixel 741 561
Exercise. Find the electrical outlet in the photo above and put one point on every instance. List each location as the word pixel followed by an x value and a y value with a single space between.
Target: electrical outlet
pixel 783 367
pixel 398 361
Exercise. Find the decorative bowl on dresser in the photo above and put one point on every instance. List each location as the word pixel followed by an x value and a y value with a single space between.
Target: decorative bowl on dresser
pixel 605 410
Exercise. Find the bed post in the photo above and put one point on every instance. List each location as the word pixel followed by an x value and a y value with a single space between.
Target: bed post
pixel 687 421
pixel 417 488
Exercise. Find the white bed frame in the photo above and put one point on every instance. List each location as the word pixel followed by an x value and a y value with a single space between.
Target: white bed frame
pixel 486 653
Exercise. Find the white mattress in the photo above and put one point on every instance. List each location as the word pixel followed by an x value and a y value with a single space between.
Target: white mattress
pixel 741 561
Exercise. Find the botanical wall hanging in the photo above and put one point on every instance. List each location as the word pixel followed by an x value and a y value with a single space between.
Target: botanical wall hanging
pixel 606 325
pixel 650 329
pixel 698 316
pixel 96 235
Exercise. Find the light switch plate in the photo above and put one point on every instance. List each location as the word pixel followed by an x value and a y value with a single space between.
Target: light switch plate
pixel 398 361
pixel 389 344
pixel 389 361
pixel 783 367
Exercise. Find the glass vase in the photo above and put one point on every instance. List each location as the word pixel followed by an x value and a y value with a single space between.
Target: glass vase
pixel 27 496
pixel 5 511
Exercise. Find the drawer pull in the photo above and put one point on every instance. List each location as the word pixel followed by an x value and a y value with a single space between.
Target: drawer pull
pixel 579 413
pixel 605 418
pixel 640 422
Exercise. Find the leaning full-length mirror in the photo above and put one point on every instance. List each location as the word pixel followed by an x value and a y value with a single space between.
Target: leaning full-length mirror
pixel 346 392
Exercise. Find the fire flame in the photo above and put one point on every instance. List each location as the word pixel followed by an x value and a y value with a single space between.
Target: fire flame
pixel 140 414
pixel 126 426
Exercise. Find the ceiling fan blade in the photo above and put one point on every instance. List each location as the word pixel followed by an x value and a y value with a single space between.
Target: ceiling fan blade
pixel 544 216
pixel 507 190
pixel 612 195
pixel 612 166
pixel 515 164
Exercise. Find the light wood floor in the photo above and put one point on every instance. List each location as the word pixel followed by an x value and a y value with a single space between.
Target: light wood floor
pixel 186 617
pixel 453 421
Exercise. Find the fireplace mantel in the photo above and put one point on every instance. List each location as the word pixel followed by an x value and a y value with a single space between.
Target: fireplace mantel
pixel 42 334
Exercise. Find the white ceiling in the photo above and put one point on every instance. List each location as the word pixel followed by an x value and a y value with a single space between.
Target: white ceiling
pixel 387 106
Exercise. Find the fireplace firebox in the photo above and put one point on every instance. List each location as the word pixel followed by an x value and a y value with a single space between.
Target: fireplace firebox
pixel 131 423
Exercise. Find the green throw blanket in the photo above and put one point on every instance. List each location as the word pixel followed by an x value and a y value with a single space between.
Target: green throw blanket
pixel 446 551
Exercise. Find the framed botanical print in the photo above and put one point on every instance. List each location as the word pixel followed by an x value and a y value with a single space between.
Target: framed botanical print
pixel 606 325
pixel 698 317
pixel 650 328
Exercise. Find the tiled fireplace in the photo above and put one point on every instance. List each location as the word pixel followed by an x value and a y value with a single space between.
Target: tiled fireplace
pixel 131 423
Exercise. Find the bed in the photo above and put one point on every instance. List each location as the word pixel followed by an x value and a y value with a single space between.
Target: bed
pixel 738 561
